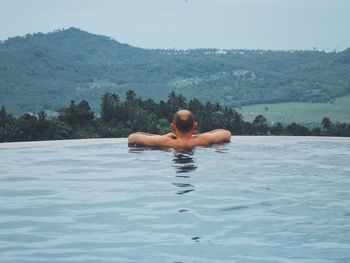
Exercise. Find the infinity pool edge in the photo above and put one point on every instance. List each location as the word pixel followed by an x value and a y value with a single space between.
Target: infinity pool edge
pixel 75 142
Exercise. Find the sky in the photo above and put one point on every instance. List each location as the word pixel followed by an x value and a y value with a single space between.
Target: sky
pixel 183 24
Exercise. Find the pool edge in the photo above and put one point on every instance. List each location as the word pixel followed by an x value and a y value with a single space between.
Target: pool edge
pixel 96 141
pixel 61 143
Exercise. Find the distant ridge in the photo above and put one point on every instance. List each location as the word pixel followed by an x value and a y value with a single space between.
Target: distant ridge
pixel 45 71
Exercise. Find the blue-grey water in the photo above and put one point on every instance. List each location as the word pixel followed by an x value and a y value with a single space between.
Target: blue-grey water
pixel 247 201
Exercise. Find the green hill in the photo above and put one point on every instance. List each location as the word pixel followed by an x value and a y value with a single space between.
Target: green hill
pixel 45 71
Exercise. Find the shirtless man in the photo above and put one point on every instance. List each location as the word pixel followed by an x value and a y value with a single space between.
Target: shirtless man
pixel 183 126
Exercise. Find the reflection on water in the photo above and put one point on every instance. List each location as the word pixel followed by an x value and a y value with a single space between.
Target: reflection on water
pixel 183 161
pixel 134 148
pixel 184 188
pixel 221 147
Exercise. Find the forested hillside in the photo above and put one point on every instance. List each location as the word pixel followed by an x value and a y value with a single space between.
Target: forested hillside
pixel 46 71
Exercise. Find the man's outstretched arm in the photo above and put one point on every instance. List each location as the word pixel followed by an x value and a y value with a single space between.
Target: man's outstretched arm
pixel 216 136
pixel 147 139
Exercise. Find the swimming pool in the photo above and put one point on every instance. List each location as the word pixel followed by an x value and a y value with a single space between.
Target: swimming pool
pixel 257 199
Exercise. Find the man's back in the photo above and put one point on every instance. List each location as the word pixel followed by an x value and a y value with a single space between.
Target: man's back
pixel 183 126
pixel 172 141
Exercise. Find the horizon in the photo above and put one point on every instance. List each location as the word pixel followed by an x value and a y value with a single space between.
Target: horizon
pixel 190 24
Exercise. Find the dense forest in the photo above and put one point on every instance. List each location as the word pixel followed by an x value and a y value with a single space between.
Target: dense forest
pixel 119 118
pixel 43 72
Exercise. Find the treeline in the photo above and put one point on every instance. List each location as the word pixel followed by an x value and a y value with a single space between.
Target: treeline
pixel 120 118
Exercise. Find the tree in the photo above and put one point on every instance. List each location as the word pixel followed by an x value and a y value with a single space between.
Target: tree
pixel 131 97
pixel 260 125
pixel 45 129
pixel 277 129
pixel 326 123
pixel 175 103
pixel 110 104
pixel 77 115
pixel 297 130
pixel 7 123
pixel 26 128
pixel 84 114
pixel 61 130
pixel 68 115
pixel 327 126
pixel 235 121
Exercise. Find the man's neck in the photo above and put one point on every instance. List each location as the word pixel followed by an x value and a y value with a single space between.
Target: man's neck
pixel 184 136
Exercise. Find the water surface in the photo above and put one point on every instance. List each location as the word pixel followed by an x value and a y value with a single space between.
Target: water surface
pixel 247 201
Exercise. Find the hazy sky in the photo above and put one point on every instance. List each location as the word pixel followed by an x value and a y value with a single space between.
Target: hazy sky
pixel 251 24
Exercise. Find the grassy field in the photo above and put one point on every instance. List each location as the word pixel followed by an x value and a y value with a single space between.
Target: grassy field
pixel 300 112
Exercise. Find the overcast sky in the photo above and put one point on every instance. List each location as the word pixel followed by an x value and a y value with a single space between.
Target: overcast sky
pixel 251 24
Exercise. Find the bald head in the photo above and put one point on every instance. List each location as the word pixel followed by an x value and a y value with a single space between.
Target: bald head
pixel 184 120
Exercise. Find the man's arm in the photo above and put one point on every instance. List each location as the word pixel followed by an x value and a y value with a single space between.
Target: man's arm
pixel 216 136
pixel 147 139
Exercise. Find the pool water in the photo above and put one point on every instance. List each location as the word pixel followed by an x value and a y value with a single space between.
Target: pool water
pixel 253 200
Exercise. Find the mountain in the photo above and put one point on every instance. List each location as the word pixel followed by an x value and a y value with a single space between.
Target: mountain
pixel 45 71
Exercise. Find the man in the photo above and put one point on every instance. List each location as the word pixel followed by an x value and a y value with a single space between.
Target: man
pixel 183 126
